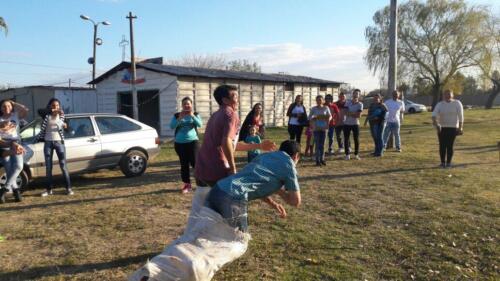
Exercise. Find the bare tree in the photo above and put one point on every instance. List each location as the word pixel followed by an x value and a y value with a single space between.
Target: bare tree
pixel 435 39
pixel 243 65
pixel 216 61
pixel 3 25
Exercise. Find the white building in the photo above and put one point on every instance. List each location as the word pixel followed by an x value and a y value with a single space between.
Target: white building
pixel 162 87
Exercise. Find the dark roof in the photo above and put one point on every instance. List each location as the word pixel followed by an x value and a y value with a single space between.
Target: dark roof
pixel 47 88
pixel 215 73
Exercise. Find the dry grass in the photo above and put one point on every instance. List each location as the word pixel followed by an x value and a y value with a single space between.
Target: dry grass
pixel 395 218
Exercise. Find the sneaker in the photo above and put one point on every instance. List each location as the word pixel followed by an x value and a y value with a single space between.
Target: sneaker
pixel 69 191
pixel 347 157
pixel 2 195
pixel 323 163
pixel 318 163
pixel 186 188
pixel 448 165
pixel 46 193
pixel 330 151
pixel 443 165
pixel 17 195
pixel 399 150
pixel 357 157
pixel 341 150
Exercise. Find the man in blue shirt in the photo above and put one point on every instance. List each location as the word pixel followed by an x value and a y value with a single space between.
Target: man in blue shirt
pixel 267 174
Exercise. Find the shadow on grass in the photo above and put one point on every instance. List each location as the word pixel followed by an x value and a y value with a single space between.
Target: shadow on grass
pixel 87 200
pixel 55 270
pixel 487 147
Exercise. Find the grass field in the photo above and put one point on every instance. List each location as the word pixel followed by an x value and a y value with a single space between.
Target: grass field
pixel 395 218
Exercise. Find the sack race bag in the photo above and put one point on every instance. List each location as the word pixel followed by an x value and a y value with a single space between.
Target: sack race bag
pixel 208 243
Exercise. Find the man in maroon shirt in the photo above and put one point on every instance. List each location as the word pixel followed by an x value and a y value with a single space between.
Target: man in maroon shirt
pixel 215 159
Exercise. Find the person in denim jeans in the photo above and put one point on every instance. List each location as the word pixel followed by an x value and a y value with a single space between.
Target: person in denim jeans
pixel 376 117
pixel 394 119
pixel 268 174
pixel 51 132
pixel 12 158
pixel 319 122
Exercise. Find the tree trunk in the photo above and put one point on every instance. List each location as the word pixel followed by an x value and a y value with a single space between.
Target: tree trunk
pixel 494 93
pixel 436 94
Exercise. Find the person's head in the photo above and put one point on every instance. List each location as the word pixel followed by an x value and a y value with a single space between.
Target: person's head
pixel 377 98
pixel 54 105
pixel 328 99
pixel 292 148
pixel 355 94
pixel 320 100
pixel 342 96
pixel 253 130
pixel 395 95
pixel 226 95
pixel 187 104
pixel 447 95
pixel 298 99
pixel 6 107
pixel 257 109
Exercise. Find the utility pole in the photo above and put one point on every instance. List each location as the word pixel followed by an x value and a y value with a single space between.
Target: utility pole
pixel 393 46
pixel 135 109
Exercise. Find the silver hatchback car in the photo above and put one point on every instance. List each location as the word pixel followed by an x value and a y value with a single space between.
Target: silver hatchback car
pixel 93 141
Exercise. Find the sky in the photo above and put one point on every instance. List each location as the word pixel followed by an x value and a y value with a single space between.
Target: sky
pixel 48 43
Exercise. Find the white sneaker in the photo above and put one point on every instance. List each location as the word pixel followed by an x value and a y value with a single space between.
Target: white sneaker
pixel 357 157
pixel 46 193
pixel 341 150
pixel 347 157
pixel 69 192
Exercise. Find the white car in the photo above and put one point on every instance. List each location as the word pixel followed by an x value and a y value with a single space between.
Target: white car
pixel 411 107
pixel 93 141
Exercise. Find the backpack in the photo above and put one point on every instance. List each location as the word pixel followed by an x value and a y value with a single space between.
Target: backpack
pixel 176 115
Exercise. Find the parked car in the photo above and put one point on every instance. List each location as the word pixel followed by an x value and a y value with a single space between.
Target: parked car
pixel 411 107
pixel 93 142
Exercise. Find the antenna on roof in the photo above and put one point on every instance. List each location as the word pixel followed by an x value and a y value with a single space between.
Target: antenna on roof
pixel 124 43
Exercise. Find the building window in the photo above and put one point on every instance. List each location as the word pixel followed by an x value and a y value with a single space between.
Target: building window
pixel 289 86
pixel 322 87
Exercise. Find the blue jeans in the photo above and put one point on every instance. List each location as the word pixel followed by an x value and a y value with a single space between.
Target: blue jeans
pixel 377 130
pixel 331 135
pixel 319 142
pixel 394 128
pixel 13 166
pixel 235 212
pixel 48 152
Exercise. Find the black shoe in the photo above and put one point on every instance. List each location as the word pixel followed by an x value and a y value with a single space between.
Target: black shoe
pixel 17 195
pixel 323 163
pixel 2 195
pixel 318 163
pixel 443 165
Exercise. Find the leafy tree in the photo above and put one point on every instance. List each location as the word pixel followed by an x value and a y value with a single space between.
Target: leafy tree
pixel 489 62
pixel 456 83
pixel 3 25
pixel 470 86
pixel 435 40
pixel 243 65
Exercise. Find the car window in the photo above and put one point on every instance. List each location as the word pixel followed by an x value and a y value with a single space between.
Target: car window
pixel 78 128
pixel 29 132
pixel 112 125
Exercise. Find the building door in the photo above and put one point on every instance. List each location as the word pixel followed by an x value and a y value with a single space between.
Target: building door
pixel 149 107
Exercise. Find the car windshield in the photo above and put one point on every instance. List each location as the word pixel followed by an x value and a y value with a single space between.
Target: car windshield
pixel 29 132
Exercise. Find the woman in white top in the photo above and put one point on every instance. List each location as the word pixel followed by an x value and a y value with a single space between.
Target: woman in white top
pixel 51 132
pixel 297 119
pixel 11 114
pixel 448 118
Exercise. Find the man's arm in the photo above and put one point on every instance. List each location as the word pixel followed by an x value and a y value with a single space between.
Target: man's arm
pixel 281 210
pixel 290 197
pixel 266 145
pixel 227 149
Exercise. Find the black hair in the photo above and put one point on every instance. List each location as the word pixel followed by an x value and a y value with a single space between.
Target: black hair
pixel 49 104
pixel 302 101
pixel 320 97
pixel 223 92
pixel 4 101
pixel 185 99
pixel 290 147
pixel 328 96
pixel 357 90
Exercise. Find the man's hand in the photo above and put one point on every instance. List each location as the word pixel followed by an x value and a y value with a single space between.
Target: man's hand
pixel 268 145
pixel 460 131
pixel 281 210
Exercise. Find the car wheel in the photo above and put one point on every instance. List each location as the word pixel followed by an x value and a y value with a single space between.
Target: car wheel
pixel 134 163
pixel 22 179
pixel 411 110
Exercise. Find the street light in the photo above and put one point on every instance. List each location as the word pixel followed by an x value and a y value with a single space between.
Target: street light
pixel 97 41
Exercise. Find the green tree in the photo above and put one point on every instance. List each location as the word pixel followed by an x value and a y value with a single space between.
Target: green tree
pixel 3 25
pixel 489 62
pixel 470 86
pixel 435 39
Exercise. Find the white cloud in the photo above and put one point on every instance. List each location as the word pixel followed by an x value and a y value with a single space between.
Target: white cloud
pixel 340 63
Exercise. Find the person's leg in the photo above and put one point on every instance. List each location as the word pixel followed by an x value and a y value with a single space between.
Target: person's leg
pixel 347 144
pixel 338 133
pixel 355 134
pixel 6 164
pixel 331 132
pixel 48 152
pixel 373 133
pixel 442 147
pixel 396 132
pixel 452 134
pixel 182 152
pixel 317 146
pixel 233 211
pixel 298 133
pixel 291 132
pixel 192 153
pixel 387 133
pixel 322 139
pixel 379 142
pixel 16 169
pixel 61 155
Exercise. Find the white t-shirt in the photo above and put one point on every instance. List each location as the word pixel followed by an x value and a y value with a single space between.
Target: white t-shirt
pixel 295 120
pixel 449 114
pixel 394 107
pixel 54 124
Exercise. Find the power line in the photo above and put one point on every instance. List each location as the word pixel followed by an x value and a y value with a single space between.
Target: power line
pixel 40 65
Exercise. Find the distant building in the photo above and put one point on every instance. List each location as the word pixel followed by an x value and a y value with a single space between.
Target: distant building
pixel 73 100
pixel 162 87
